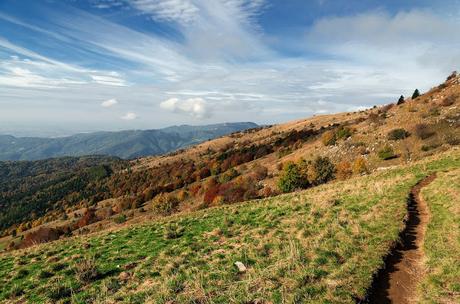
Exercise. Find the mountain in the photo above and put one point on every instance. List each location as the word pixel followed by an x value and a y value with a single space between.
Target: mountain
pixel 125 144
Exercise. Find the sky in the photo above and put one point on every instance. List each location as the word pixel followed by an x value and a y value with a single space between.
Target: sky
pixel 69 66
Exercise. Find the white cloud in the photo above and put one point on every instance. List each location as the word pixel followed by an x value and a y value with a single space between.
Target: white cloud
pixel 35 70
pixel 113 79
pixel 109 103
pixel 182 11
pixel 129 116
pixel 196 107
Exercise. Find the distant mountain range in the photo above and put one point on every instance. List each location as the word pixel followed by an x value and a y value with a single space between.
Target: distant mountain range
pixel 125 144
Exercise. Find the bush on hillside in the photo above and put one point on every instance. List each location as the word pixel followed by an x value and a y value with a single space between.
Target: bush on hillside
pixel 360 166
pixel 344 170
pixel 397 134
pixel 291 179
pixel 386 108
pixel 165 203
pixel 329 138
pixel 212 190
pixel 321 170
pixel 423 131
pixel 228 175
pixel 173 231
pixel 449 100
pixel 343 133
pixel 120 219
pixel 259 172
pixel 86 271
pixel 401 100
pixel 430 147
pixel 416 94
pixel 452 139
pixel 386 153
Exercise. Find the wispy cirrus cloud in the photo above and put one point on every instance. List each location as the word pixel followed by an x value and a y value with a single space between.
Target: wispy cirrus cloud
pixel 36 70
pixel 181 11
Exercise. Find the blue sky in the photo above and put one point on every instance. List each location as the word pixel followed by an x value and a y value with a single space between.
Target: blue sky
pixel 83 65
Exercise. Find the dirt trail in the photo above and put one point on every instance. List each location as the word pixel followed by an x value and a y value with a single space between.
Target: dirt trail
pixel 404 266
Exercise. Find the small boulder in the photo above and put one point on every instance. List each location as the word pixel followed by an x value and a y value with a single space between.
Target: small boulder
pixel 124 276
pixel 241 267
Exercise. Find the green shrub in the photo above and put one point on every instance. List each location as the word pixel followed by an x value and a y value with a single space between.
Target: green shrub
pixel 386 153
pixel 120 219
pixel 398 134
pixel 165 204
pixel 321 170
pixel 291 179
pixel 173 231
pixel 343 132
pixel 416 94
pixel 228 176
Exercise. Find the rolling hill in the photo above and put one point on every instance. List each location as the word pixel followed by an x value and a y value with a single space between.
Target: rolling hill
pixel 125 144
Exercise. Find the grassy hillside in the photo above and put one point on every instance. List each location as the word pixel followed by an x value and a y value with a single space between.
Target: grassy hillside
pixel 319 245
pixel 442 244
pixel 251 164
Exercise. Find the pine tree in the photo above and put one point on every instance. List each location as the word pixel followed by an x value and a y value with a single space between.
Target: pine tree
pixel 401 100
pixel 416 94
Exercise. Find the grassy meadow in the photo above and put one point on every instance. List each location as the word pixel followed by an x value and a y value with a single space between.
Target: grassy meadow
pixel 322 245
pixel 442 243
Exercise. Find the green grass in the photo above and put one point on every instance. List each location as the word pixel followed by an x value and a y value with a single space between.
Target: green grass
pixel 322 245
pixel 442 243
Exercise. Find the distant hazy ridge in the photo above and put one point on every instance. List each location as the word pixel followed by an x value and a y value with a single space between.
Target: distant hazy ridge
pixel 124 144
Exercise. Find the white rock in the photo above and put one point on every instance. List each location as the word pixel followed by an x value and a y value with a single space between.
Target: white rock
pixel 240 266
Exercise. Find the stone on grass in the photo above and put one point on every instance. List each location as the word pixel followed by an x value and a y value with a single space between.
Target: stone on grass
pixel 241 267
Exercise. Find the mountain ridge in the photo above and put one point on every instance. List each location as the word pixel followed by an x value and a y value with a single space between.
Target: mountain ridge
pixel 125 144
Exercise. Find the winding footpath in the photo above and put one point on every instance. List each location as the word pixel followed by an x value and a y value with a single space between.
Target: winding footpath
pixel 397 283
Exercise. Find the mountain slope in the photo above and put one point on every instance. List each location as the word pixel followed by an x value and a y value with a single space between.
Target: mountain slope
pixel 253 163
pixel 322 245
pixel 124 144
